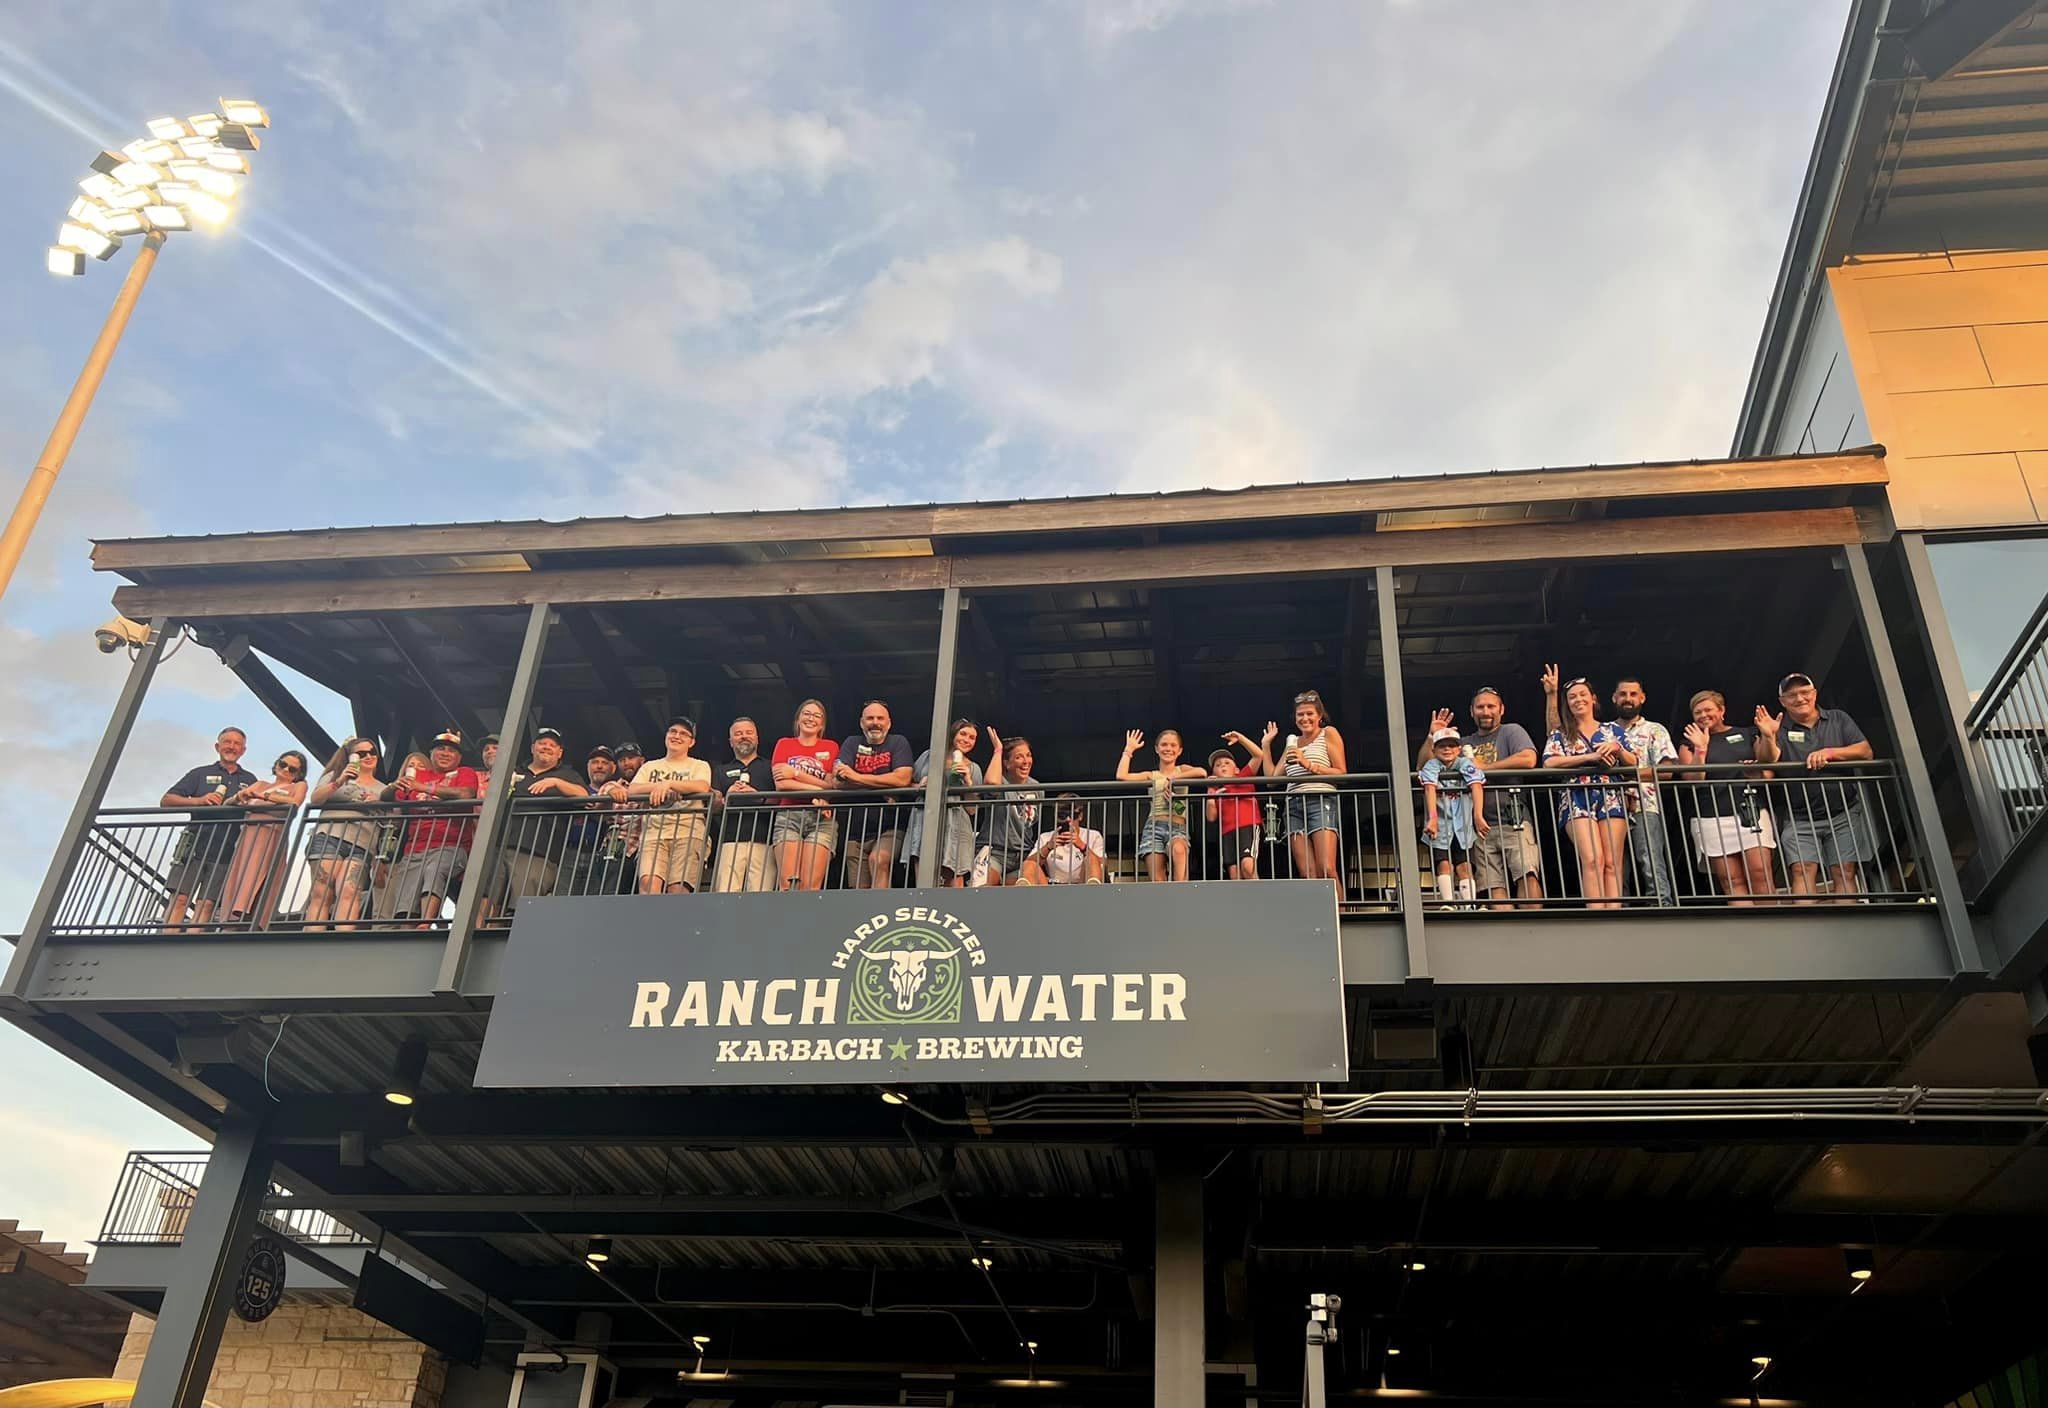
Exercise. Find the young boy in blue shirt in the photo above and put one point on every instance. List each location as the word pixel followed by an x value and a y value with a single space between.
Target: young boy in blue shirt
pixel 1453 795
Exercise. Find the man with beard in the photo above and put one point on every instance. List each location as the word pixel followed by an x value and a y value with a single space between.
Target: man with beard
pixel 1650 741
pixel 745 788
pixel 586 867
pixel 1506 861
pixel 877 757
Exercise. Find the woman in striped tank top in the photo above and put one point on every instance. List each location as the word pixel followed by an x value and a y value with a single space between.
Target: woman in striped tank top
pixel 1313 752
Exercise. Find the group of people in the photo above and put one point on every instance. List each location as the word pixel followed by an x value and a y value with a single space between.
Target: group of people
pixel 1483 839
pixel 394 843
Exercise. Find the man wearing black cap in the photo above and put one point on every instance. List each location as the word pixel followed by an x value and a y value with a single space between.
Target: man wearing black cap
pixel 534 834
pixel 585 867
pixel 436 846
pixel 623 831
pixel 628 758
pixel 1824 823
pixel 676 835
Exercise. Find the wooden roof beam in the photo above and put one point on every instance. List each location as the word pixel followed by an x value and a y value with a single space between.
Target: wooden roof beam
pixel 963 522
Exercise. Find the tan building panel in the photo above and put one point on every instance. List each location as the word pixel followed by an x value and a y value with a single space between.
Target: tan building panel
pixel 2034 469
pixel 1959 299
pixel 1979 422
pixel 1930 359
pixel 2015 353
pixel 1964 491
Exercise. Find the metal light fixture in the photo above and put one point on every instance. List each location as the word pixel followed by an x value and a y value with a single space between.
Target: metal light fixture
pixel 125 190
pixel 598 1251
pixel 980 1262
pixel 1862 1262
pixel 895 1097
pixel 1418 1266
pixel 404 1086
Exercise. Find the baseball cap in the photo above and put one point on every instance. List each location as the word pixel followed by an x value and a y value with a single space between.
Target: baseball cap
pixel 488 740
pixel 1795 680
pixel 684 721
pixel 1221 753
pixel 553 733
pixel 600 751
pixel 1443 735
pixel 628 749
pixel 449 737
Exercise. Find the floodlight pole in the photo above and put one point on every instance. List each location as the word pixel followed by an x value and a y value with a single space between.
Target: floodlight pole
pixel 42 479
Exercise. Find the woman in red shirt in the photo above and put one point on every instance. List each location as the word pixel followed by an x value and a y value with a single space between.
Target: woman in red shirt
pixel 805 834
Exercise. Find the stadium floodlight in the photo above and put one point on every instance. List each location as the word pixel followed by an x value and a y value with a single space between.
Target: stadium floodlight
pixel 133 191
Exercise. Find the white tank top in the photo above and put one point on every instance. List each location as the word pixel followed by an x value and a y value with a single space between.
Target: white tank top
pixel 1317 751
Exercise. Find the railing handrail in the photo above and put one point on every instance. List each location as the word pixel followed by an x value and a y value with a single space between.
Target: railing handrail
pixel 1663 772
pixel 2033 637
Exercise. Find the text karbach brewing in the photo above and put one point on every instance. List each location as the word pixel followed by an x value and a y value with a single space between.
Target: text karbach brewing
pixel 909 968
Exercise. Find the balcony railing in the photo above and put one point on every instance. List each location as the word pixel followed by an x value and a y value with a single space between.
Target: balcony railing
pixel 1711 837
pixel 1689 838
pixel 153 1200
pixel 2009 723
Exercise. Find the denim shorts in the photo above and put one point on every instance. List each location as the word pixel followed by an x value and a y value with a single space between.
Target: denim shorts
pixel 1309 812
pixel 322 845
pixel 1158 836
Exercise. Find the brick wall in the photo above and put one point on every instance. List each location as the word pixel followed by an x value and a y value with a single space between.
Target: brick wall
pixel 310 1356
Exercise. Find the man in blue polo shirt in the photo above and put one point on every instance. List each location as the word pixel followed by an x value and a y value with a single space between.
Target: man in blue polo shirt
pixel 1824 822
pixel 208 844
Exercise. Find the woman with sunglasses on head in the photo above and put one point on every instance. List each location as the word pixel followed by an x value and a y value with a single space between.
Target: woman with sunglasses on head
pixel 339 851
pixel 249 894
pixel 956 843
pixel 804 833
pixel 1313 752
pixel 1593 814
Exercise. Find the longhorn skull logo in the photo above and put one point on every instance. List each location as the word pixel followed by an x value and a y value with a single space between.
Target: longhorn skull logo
pixel 906 971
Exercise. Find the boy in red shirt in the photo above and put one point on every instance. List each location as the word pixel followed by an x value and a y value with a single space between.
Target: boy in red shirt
pixel 1233 807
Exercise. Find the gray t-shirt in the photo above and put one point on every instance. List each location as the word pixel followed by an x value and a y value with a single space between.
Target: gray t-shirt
pixel 1487 749
pixel 1822 796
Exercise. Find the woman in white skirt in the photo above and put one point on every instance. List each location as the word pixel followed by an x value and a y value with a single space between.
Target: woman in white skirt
pixel 1732 829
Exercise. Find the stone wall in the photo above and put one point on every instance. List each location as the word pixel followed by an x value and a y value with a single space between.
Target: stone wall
pixel 310 1356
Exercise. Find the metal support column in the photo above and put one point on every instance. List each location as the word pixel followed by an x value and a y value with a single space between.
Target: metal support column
pixel 93 791
pixel 493 814
pixel 942 714
pixel 201 1284
pixel 1934 846
pixel 1979 794
pixel 1179 1349
pixel 1401 777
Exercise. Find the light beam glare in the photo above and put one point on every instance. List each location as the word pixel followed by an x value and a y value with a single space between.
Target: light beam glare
pixel 358 299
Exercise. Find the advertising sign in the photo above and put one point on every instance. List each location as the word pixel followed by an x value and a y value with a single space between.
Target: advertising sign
pixel 1203 981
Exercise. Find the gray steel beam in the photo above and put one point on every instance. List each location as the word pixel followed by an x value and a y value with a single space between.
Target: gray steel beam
pixel 492 816
pixel 942 714
pixel 1807 947
pixel 35 930
pixel 196 1301
pixel 1179 1342
pixel 257 678
pixel 1935 851
pixel 1401 774
pixel 1987 818
pixel 2018 896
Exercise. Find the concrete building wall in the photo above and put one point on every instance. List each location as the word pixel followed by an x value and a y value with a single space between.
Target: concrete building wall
pixel 310 1356
pixel 1951 357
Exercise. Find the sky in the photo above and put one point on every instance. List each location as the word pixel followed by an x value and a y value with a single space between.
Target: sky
pixel 528 260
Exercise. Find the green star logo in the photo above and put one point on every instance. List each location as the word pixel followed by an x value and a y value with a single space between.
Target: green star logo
pixel 899 1050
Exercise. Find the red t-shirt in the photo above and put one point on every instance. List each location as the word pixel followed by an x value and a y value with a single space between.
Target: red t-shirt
pixel 814 761
pixel 431 833
pixel 1236 806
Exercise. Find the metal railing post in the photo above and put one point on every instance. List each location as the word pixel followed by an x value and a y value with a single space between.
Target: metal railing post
pixel 934 802
pixel 1933 836
pixel 92 792
pixel 1401 776
pixel 491 816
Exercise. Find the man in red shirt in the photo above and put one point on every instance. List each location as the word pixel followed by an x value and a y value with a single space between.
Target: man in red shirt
pixel 436 846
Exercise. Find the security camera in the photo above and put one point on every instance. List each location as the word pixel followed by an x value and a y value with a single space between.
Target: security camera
pixel 120 632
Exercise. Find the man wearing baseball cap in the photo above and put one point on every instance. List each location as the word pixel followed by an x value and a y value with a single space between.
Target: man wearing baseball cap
pixel 533 839
pixel 436 846
pixel 1825 823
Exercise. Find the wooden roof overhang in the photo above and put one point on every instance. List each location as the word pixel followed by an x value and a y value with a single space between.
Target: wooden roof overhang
pixel 1284 531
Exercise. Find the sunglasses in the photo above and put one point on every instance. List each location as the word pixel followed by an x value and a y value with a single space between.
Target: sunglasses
pixel 282 766
pixel 1794 682
pixel 1580 680
pixel 1308 697
pixel 364 753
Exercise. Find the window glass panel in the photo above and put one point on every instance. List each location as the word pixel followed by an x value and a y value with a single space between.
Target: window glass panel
pixel 1988 590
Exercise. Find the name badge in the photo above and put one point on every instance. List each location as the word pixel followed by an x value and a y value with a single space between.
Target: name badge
pixel 822 754
pixel 863 750
pixel 1734 738
pixel 1797 735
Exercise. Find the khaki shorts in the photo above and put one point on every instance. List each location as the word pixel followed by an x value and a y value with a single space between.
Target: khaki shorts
pixel 675 851
pixel 854 853
pixel 743 866
pixel 1504 855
